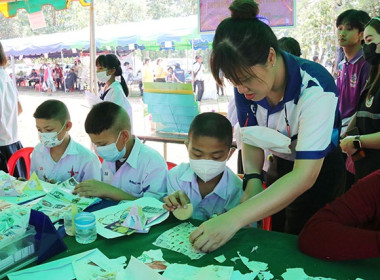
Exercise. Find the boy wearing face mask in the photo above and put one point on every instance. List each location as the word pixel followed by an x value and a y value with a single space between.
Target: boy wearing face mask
pixel 130 169
pixel 58 157
pixel 206 182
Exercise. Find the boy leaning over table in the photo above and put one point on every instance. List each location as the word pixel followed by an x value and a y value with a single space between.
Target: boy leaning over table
pixel 130 169
pixel 206 182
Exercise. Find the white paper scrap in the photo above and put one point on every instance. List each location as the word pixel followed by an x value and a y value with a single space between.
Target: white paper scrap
pixel 154 259
pixel 254 248
pixel 253 265
pixel 137 270
pixel 237 275
pixel 220 259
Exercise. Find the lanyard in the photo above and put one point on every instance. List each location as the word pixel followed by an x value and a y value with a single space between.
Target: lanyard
pixel 286 121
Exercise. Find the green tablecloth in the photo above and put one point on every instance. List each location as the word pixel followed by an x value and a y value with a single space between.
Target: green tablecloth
pixel 279 250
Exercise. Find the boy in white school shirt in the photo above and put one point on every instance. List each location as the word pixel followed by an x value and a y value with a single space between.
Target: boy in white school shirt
pixel 130 169
pixel 206 182
pixel 58 157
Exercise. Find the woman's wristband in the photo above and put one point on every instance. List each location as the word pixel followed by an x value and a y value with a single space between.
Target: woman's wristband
pixel 248 177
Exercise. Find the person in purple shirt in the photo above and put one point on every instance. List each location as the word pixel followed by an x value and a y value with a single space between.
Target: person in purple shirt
pixel 353 69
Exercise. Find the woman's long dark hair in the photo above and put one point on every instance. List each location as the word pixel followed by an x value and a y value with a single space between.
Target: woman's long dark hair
pixel 374 75
pixel 110 61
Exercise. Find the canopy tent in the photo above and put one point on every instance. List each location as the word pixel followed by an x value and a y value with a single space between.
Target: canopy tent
pixel 9 8
pixel 167 33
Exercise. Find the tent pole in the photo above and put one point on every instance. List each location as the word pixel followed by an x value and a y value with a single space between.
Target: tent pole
pixel 13 69
pixel 63 70
pixel 93 83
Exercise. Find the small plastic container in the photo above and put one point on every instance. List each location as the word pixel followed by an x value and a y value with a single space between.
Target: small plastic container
pixel 85 227
pixel 17 253
pixel 69 224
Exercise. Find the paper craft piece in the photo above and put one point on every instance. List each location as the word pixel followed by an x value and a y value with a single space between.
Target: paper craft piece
pixel 98 266
pixel 136 270
pixel 265 275
pixel 254 249
pixel 183 213
pixel 61 269
pixel 299 273
pixel 135 219
pixel 235 259
pixel 154 259
pixel 266 138
pixel 57 202
pixel 253 265
pixel 8 189
pixel 220 259
pixel 186 272
pixel 214 272
pixel 237 275
pixel 33 183
pixel 14 220
pixel 109 220
pixel 69 184
pixel 177 239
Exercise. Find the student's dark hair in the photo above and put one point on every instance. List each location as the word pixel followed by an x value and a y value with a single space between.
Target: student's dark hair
pixel 241 42
pixel 105 115
pixel 355 18
pixel 374 75
pixel 290 45
pixel 3 57
pixel 52 109
pixel 212 125
pixel 315 58
pixel 110 61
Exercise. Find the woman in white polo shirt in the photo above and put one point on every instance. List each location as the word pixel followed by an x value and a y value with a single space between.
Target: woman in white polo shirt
pixel 10 108
pixel 282 94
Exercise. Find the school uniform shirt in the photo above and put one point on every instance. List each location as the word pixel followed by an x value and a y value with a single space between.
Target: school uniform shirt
pixel 310 101
pixel 368 122
pixel 349 227
pixel 8 110
pixel 77 161
pixel 352 77
pixel 197 66
pixel 115 94
pixel 226 195
pixel 143 173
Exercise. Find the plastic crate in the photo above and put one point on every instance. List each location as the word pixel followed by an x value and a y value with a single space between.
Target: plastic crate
pixel 18 252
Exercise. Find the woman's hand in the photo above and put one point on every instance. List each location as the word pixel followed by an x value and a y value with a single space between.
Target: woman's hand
pixel 347 145
pixel 214 233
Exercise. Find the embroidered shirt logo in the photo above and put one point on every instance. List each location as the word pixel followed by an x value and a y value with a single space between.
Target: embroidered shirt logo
pixel 353 80
pixel 72 172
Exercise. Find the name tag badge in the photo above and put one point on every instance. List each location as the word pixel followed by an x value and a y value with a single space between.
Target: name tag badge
pixel 107 176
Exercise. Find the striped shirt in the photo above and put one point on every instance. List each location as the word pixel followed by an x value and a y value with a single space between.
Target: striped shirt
pixel 309 104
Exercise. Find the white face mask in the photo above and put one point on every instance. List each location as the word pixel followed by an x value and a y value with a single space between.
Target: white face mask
pixel 207 169
pixel 110 152
pixel 102 76
pixel 50 139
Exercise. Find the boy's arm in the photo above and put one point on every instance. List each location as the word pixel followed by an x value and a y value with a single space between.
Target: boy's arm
pixel 176 196
pixel 92 170
pixel 95 188
pixel 336 232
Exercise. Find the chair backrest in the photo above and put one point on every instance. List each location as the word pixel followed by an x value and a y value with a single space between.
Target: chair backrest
pixel 170 165
pixel 23 153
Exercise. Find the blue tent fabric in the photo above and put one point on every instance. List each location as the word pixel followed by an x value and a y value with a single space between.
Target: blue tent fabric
pixel 141 34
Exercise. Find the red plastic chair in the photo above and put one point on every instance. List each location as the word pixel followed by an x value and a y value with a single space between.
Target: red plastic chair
pixel 23 153
pixel 170 165
pixel 267 222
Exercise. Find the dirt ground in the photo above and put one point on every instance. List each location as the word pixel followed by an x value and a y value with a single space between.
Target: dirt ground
pixel 79 108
